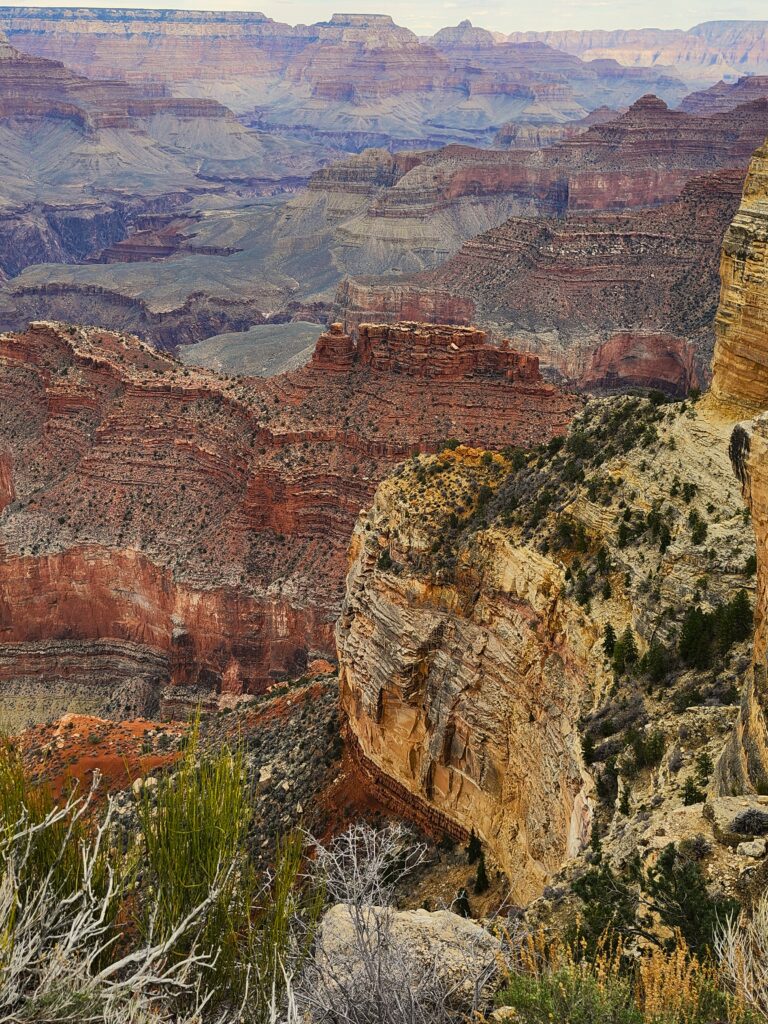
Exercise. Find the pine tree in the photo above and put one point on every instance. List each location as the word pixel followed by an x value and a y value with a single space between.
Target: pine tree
pixel 657 662
pixel 695 644
pixel 609 639
pixel 481 877
pixel 742 620
pixel 474 847
pixel 630 646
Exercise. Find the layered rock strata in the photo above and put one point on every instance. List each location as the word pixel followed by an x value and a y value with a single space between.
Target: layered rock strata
pixel 351 75
pixel 203 520
pixel 740 388
pixel 471 655
pixel 740 369
pixel 609 300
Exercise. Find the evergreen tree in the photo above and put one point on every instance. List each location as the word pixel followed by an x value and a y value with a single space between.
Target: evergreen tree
pixel 625 651
pixel 695 644
pixel 657 662
pixel 742 619
pixel 609 639
pixel 481 877
pixel 474 847
pixel 630 646
pixel 678 893
pixel 691 793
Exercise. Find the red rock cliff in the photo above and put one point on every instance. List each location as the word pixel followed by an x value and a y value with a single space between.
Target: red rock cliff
pixel 206 520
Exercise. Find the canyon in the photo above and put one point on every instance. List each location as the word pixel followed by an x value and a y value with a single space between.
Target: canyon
pixel 171 527
pixel 475 672
pixel 354 80
pixel 172 536
pixel 226 260
pixel 616 283
pixel 711 51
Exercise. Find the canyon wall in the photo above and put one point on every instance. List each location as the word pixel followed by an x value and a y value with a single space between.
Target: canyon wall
pixel 740 389
pixel 199 523
pixel 470 641
pixel 462 692
pixel 342 80
pixel 705 53
pixel 740 369
pixel 609 300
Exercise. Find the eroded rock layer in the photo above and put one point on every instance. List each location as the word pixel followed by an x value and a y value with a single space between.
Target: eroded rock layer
pixel 740 369
pixel 743 766
pixel 205 519
pixel 609 300
pixel 471 638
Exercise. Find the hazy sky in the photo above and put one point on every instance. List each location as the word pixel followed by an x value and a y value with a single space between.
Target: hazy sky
pixel 511 15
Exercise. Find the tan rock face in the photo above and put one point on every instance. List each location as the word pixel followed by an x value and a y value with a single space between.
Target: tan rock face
pixel 740 370
pixel 743 766
pixel 467 655
pixel 467 693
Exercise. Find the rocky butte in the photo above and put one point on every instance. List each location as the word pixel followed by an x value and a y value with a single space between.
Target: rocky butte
pixel 165 525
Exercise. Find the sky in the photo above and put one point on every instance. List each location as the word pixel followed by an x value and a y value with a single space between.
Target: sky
pixel 426 16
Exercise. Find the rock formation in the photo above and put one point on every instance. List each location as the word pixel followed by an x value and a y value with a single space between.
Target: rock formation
pixel 191 528
pixel 471 637
pixel 352 78
pixel 705 53
pixel 609 300
pixel 740 370
pixel 740 389
pixel 722 97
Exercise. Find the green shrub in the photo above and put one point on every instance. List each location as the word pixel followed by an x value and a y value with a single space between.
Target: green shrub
pixel 571 995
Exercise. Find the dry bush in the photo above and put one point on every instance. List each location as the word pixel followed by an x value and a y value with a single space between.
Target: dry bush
pixel 742 949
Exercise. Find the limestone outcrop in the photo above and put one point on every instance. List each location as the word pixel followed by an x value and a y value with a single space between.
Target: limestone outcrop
pixel 740 369
pixel 471 638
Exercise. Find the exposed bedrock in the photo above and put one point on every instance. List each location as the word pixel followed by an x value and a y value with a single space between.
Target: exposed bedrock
pixel 467 693
pixel 743 766
pixel 613 299
pixel 740 370
pixel 206 518
pixel 635 359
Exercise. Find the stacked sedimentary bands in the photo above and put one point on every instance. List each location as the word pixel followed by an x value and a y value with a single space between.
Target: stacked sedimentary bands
pixel 740 388
pixel 358 79
pixel 163 524
pixel 471 641
pixel 603 294
pixel 722 97
pixel 83 159
pixel 741 356
pixel 712 50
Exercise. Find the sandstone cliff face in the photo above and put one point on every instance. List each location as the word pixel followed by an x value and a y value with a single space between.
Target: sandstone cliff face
pixel 435 696
pixel 740 369
pixel 743 765
pixel 205 519
pixel 471 656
